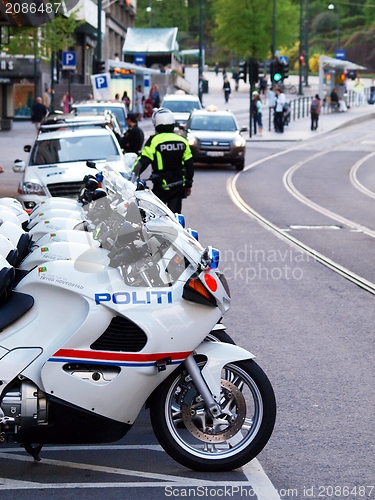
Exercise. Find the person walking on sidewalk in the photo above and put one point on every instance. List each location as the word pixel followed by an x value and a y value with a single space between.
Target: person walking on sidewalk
pixel 315 111
pixel 38 112
pixel 227 89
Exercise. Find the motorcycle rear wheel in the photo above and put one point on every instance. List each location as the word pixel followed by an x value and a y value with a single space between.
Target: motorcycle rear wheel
pixel 193 438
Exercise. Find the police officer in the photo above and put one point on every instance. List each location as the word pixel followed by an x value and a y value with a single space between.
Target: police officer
pixel 171 160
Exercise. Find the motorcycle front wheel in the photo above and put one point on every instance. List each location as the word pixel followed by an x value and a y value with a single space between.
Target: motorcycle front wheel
pixel 192 437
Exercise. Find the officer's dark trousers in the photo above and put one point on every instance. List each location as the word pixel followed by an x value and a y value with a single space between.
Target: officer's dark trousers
pixel 172 198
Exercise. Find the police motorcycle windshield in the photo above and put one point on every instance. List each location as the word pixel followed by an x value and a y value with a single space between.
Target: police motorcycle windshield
pixel 148 247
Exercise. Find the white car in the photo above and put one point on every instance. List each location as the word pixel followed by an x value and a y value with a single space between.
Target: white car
pixel 58 159
pixel 181 105
pixel 118 108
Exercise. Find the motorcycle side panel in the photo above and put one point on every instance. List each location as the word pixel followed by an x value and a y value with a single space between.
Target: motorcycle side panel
pixel 55 204
pixel 15 361
pixel 52 225
pixel 56 213
pixel 60 251
pixel 11 231
pixel 71 235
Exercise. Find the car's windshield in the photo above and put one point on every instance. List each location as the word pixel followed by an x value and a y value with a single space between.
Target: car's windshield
pixel 181 106
pixel 69 149
pixel 118 111
pixel 214 123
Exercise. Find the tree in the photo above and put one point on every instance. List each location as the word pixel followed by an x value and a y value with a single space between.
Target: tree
pixel 246 27
pixel 52 37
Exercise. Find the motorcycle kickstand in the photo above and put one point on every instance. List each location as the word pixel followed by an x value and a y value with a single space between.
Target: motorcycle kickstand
pixel 195 373
pixel 33 451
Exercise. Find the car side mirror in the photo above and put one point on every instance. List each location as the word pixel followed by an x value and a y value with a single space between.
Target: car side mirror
pixel 181 126
pixel 19 166
pixel 243 129
pixel 27 148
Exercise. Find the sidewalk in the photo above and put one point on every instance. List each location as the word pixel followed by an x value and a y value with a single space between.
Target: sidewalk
pixel 297 130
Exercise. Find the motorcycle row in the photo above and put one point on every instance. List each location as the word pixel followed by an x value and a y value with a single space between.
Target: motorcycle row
pixel 108 304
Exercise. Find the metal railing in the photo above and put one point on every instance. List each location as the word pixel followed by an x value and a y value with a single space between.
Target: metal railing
pixel 300 106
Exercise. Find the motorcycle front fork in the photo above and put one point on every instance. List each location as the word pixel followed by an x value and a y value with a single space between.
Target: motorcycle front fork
pixel 196 375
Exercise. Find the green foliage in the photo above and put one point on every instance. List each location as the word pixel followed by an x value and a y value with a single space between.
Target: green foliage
pixel 52 37
pixel 246 30
pixel 163 14
pixel 324 22
pixel 21 41
pixel 353 22
pixel 58 34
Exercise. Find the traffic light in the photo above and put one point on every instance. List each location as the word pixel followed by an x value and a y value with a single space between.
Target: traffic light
pixel 98 66
pixel 285 70
pixel 242 71
pixel 261 69
pixel 254 71
pixel 278 75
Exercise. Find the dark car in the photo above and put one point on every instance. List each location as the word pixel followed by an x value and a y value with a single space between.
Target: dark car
pixel 214 137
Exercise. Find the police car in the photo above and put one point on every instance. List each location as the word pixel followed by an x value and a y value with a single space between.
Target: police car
pixel 57 161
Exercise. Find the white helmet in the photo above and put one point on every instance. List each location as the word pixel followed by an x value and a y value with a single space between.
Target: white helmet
pixel 163 116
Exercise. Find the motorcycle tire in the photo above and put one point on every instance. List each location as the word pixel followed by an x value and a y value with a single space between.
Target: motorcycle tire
pixel 220 336
pixel 219 444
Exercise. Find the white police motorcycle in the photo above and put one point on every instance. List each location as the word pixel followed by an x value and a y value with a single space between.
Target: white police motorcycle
pixel 86 342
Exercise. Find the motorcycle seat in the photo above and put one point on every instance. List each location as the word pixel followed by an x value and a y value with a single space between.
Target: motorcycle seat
pixel 15 306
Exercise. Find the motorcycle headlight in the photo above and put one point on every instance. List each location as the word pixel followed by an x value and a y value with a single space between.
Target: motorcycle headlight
pixel 32 188
pixel 239 142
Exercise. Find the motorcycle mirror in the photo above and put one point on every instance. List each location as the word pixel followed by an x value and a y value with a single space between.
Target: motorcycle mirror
pixel 19 166
pixel 125 235
pixel 91 184
pixel 98 193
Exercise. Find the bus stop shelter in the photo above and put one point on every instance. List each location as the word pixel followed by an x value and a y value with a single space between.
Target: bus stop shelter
pixel 335 67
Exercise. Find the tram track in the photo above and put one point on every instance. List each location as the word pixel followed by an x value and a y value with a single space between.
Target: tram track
pixel 288 184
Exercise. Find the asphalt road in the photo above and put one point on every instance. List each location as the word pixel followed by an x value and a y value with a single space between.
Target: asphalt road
pixel 310 328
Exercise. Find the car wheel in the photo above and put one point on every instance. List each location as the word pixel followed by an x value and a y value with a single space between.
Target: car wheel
pixel 240 166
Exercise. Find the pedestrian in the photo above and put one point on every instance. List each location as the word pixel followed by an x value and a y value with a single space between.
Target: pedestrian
pixel 1 169
pixel 132 141
pixel 227 89
pixel 66 102
pixel 216 68
pixel 46 99
pixel 257 113
pixel 138 102
pixel 155 96
pixel 171 160
pixel 263 85
pixel 372 92
pixel 126 99
pixel 334 99
pixel 236 78
pixel 279 111
pixel 315 111
pixel 359 90
pixel 224 73
pixel 38 112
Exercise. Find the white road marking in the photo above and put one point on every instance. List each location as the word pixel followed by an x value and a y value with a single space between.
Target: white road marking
pixel 254 473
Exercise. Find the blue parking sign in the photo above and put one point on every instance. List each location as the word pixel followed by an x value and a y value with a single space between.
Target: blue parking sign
pixel 69 60
pixel 101 81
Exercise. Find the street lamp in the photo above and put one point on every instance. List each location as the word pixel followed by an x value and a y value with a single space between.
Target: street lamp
pixel 149 9
pixel 332 6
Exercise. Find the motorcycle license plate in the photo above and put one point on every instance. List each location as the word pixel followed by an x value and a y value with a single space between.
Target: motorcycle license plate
pixel 215 153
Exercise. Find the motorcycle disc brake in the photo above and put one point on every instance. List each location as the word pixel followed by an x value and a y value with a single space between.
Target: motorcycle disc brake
pixel 204 427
